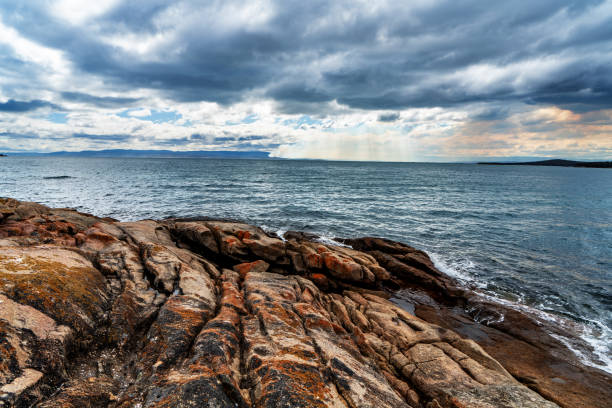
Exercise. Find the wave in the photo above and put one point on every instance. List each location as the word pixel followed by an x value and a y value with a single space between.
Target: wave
pixel 280 233
pixel 458 270
pixel 327 240
pixel 595 334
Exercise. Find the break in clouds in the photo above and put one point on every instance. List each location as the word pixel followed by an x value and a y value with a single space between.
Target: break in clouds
pixel 419 80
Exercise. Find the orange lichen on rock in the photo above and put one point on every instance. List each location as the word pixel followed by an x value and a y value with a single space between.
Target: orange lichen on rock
pixel 243 234
pixel 151 314
pixel 256 266
pixel 58 282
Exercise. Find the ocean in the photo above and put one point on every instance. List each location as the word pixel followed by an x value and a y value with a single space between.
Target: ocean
pixel 534 238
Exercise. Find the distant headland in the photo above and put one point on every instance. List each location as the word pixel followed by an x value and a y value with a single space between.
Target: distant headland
pixel 554 162
pixel 211 154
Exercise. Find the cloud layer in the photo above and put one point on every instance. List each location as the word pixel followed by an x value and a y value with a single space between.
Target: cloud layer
pixel 429 80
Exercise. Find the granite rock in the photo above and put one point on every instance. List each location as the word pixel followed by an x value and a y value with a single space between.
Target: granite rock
pixel 192 313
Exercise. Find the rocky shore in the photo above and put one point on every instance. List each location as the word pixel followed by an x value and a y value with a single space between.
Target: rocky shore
pixel 217 313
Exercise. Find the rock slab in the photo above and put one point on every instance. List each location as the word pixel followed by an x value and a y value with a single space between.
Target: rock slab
pixel 201 313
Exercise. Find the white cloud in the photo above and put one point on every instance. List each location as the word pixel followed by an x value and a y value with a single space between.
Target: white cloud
pixel 140 112
pixel 146 46
pixel 52 60
pixel 78 11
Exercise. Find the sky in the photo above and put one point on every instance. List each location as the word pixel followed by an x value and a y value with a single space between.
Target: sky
pixel 418 80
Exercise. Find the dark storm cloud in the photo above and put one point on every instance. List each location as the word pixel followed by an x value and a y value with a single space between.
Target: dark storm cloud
pixel 491 113
pixel 99 101
pixel 388 117
pixel 305 54
pixel 199 136
pixel 298 92
pixel 25 106
pixel 96 137
pixel 236 138
pixel 134 15
pixel 235 141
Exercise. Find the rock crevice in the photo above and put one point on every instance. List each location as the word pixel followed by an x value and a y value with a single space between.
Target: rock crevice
pixel 191 313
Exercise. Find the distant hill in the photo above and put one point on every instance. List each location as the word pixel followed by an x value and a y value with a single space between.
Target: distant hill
pixel 211 154
pixel 554 162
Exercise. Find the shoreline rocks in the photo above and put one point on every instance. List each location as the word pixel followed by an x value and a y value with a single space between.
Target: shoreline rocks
pixel 191 313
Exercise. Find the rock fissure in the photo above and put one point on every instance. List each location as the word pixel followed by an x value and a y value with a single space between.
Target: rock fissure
pixel 327 373
pixel 119 314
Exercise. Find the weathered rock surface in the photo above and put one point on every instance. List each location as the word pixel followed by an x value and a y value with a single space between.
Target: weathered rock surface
pixel 188 313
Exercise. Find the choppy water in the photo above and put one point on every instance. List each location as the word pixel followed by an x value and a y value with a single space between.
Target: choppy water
pixel 533 236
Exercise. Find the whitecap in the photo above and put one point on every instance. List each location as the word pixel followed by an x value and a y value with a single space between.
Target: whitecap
pixel 331 241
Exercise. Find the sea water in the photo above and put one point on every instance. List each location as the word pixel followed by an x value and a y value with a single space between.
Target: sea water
pixel 537 238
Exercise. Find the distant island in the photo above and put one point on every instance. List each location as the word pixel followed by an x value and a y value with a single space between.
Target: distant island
pixel 2 155
pixel 554 162
pixel 211 154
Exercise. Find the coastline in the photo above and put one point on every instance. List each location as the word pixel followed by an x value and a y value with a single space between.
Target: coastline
pixel 556 163
pixel 513 342
pixel 588 347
